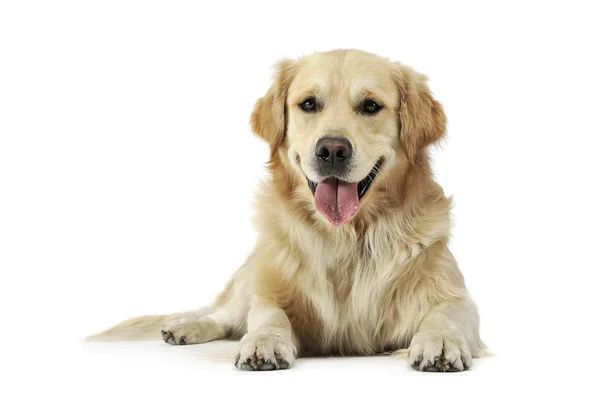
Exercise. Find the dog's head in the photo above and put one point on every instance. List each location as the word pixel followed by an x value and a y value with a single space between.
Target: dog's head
pixel 341 123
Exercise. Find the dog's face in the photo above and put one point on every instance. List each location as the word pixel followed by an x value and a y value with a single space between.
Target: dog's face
pixel 342 120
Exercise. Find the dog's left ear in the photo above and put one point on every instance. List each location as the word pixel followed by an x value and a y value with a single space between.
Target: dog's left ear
pixel 422 117
pixel 268 116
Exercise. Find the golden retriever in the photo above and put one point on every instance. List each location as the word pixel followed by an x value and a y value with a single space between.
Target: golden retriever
pixel 352 255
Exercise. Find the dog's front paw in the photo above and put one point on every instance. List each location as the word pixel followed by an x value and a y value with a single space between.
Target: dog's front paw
pixel 265 350
pixel 434 351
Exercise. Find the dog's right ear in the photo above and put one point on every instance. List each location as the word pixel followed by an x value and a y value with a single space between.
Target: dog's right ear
pixel 422 117
pixel 268 116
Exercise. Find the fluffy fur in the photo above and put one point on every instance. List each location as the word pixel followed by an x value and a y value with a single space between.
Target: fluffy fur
pixel 383 282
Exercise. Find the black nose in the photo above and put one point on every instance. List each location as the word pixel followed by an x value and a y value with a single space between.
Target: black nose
pixel 334 151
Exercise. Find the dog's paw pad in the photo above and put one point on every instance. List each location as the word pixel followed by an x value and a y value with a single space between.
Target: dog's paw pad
pixel 253 364
pixel 246 366
pixel 170 338
pixel 265 352
pixel 264 366
pixel 432 353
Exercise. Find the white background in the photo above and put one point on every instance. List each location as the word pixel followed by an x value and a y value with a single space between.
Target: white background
pixel 127 170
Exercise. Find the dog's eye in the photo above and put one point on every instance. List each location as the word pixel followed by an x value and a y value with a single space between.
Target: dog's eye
pixel 370 107
pixel 309 105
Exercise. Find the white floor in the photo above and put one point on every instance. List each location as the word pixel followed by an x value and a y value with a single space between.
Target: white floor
pixel 66 368
pixel 155 369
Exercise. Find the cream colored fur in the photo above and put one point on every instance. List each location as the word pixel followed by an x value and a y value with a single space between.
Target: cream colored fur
pixel 386 280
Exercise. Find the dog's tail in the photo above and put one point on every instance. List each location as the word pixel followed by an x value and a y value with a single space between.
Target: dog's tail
pixel 143 328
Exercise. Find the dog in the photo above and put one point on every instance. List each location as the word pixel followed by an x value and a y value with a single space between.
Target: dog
pixel 352 252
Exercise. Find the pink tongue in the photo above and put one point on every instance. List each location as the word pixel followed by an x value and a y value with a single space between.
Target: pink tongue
pixel 336 200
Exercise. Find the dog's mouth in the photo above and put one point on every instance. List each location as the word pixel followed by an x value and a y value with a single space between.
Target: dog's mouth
pixel 338 200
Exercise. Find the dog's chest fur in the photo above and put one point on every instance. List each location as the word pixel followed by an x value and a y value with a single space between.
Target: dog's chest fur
pixel 359 301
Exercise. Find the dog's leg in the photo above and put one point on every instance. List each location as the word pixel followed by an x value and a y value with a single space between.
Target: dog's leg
pixel 144 327
pixel 269 343
pixel 447 339
pixel 193 328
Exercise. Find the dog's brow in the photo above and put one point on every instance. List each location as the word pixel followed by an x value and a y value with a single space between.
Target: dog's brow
pixel 312 89
pixel 360 94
